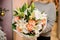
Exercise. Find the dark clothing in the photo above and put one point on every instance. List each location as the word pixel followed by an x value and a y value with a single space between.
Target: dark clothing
pixel 43 38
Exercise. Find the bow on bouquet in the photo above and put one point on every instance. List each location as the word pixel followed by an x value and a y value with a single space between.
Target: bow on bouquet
pixel 29 21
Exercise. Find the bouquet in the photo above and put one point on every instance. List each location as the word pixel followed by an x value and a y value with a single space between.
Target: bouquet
pixel 29 21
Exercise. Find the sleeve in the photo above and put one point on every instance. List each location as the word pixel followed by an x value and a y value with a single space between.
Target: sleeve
pixel 51 18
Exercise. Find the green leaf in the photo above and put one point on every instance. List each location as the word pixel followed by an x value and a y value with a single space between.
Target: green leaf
pixel 28 14
pixel 24 7
pixel 22 14
pixel 29 34
pixel 15 13
pixel 13 26
pixel 32 7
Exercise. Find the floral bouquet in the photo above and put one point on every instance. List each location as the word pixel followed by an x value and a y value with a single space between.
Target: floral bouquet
pixel 29 21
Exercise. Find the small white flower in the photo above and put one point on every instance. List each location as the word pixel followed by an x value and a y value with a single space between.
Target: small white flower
pixel 38 14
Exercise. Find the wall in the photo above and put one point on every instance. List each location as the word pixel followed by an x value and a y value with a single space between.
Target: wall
pixel 6 24
pixel 0 3
pixel 18 3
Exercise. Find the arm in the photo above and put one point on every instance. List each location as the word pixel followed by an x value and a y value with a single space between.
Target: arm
pixel 51 19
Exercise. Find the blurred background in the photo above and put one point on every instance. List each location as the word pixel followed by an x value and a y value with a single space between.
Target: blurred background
pixel 6 17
